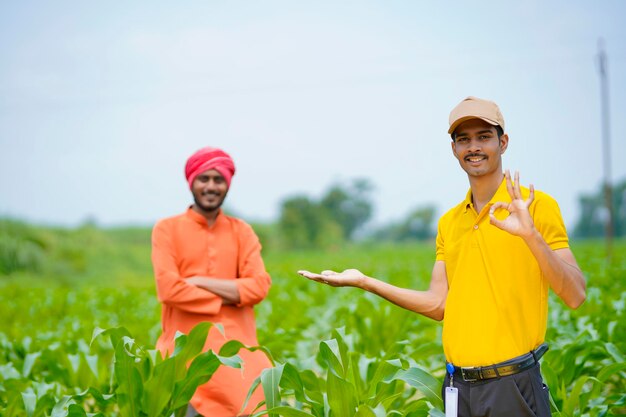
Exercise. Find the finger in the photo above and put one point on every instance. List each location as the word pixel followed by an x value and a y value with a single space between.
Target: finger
pixel 509 184
pixel 516 188
pixel 310 275
pixel 493 220
pixel 314 277
pixel 498 205
pixel 328 272
pixel 531 196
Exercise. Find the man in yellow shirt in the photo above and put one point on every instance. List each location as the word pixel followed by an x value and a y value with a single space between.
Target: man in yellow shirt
pixel 498 252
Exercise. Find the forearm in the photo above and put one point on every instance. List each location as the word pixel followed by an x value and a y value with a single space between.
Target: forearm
pixel 429 303
pixel 560 269
pixel 175 292
pixel 223 288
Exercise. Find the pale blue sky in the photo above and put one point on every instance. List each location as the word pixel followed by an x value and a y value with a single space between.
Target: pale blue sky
pixel 102 102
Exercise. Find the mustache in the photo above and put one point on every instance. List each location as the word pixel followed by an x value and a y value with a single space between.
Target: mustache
pixel 473 155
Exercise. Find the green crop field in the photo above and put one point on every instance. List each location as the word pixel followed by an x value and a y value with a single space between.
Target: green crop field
pixel 80 319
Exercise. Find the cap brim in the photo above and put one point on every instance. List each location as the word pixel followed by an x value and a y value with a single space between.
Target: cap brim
pixel 457 122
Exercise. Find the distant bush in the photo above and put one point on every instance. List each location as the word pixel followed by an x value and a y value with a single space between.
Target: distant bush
pixel 21 247
pixel 85 252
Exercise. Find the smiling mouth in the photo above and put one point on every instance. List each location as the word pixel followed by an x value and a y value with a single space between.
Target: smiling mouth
pixel 475 158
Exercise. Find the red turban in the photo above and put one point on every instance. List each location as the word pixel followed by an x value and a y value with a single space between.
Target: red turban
pixel 206 159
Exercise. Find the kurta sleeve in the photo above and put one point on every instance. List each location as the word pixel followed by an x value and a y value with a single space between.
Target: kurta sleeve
pixel 172 289
pixel 254 282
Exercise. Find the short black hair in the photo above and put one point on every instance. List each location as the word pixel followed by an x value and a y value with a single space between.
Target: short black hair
pixel 499 131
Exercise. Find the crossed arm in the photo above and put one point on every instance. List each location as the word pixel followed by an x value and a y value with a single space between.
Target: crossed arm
pixel 225 289
pixel 203 294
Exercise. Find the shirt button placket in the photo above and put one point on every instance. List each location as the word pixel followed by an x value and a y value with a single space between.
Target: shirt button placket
pixel 210 252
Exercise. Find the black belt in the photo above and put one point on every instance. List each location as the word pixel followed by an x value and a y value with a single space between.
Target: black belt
pixel 510 367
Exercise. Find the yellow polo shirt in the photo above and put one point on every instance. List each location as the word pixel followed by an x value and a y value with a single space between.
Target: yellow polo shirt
pixel 497 302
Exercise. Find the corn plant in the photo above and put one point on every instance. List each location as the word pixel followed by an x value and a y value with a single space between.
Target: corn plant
pixel 350 384
pixel 146 385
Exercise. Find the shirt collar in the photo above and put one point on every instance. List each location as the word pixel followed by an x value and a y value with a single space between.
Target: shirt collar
pixel 501 194
pixel 200 219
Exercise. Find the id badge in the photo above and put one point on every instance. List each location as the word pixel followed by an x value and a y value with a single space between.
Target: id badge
pixel 452 401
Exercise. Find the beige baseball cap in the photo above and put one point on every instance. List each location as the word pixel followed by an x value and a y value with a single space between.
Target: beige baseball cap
pixel 475 108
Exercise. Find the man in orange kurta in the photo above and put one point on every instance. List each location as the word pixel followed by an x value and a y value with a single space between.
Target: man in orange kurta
pixel 208 267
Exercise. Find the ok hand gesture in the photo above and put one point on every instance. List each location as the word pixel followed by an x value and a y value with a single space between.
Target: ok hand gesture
pixel 518 222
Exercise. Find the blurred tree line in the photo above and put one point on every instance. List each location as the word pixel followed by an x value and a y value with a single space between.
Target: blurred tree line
pixel 62 253
pixel 594 214
pixel 340 215
pixel 344 210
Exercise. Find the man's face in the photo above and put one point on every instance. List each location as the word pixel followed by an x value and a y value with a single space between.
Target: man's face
pixel 209 190
pixel 478 149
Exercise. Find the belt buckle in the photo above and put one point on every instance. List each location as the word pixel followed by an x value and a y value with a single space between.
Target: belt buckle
pixel 468 379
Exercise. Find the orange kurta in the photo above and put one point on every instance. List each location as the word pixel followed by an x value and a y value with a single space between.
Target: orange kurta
pixel 184 246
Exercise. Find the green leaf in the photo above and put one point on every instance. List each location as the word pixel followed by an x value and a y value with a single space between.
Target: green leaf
pixel 285 411
pixel 549 374
pixel 270 380
pixel 329 352
pixel 8 371
pixel 114 333
pixel 232 347
pixel 92 363
pixel 76 411
pixel 44 403
pixel 30 402
pixel 424 382
pixel 435 412
pixel 231 361
pixel 60 408
pixel 384 371
pixel 573 401
pixel 199 372
pixel 189 346
pixel 96 332
pixel 610 370
pixel 29 362
pixel 130 384
pixel 157 390
pixel 291 380
pixel 340 335
pixel 74 361
pixel 253 387
pixel 364 411
pixel 614 352
pixel 386 392
pixel 341 395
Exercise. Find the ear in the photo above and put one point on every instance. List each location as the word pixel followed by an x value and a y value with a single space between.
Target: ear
pixel 504 143
pixel 453 145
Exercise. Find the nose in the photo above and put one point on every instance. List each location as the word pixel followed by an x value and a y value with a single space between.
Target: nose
pixel 474 145
pixel 211 184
